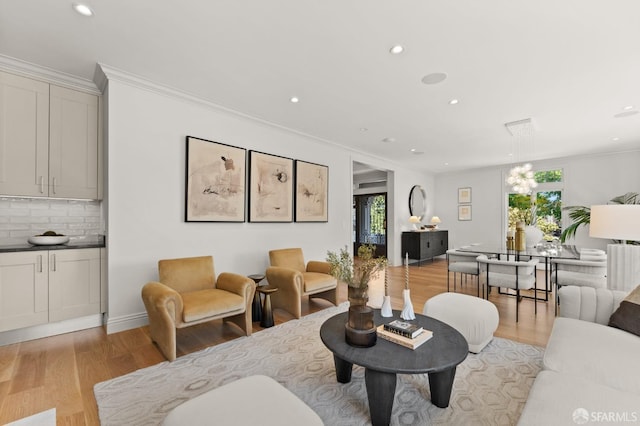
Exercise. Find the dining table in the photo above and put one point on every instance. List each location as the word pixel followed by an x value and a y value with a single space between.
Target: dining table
pixel 546 251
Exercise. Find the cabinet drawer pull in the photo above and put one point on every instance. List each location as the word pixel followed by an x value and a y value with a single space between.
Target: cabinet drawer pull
pixel 54 185
pixel 42 184
pixel 39 263
pixel 53 262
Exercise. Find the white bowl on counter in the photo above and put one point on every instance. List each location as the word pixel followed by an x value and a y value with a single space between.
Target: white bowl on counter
pixel 48 240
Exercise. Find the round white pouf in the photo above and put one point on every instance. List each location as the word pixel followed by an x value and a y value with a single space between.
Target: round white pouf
pixel 476 319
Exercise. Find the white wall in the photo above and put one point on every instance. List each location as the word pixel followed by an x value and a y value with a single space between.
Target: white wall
pixel 399 183
pixel 145 194
pixel 588 180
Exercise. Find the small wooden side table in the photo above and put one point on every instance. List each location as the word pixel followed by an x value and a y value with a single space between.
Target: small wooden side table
pixel 256 308
pixel 267 312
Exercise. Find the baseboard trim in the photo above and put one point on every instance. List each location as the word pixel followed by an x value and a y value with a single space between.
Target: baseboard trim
pixel 48 330
pixel 126 322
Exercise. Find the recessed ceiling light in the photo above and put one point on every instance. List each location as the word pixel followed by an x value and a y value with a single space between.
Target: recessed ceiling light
pixel 626 114
pixel 396 50
pixel 615 139
pixel 446 164
pixel 387 140
pixel 628 107
pixel 82 9
pixel 434 78
pixel 294 99
pixel 453 101
pixel 363 129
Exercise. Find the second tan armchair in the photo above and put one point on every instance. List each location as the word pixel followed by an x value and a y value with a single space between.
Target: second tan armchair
pixel 188 293
pixel 294 280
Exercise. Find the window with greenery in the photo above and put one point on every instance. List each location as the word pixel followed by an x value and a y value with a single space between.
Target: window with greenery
pixel 548 176
pixel 543 207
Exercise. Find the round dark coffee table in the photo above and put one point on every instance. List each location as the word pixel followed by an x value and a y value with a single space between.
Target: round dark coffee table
pixel 437 357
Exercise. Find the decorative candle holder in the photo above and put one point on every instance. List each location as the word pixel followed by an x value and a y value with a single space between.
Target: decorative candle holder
pixel 386 310
pixel 407 311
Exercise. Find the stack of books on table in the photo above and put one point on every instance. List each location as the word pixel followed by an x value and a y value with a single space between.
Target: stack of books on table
pixel 404 333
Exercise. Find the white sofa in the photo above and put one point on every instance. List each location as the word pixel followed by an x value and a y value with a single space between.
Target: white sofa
pixel 591 371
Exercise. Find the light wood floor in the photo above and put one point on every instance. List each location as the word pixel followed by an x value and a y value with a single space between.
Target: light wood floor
pixel 60 371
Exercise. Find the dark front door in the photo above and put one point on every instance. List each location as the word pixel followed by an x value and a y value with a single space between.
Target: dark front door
pixel 370 221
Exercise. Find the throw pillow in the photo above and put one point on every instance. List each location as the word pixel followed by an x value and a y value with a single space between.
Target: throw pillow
pixel 627 316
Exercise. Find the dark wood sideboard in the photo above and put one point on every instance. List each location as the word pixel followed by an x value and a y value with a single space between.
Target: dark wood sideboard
pixel 424 245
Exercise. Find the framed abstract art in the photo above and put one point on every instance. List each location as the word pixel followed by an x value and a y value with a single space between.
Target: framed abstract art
pixel 215 182
pixel 270 188
pixel 312 192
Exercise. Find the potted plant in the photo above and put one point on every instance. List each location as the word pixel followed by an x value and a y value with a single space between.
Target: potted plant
pixel 581 215
pixel 359 329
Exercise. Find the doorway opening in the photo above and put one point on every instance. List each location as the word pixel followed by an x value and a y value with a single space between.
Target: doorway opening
pixel 370 222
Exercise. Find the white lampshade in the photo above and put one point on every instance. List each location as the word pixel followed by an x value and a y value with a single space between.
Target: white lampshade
pixel 435 220
pixel 414 219
pixel 615 221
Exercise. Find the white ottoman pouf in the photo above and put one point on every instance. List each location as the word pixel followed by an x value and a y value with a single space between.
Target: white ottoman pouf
pixel 253 400
pixel 476 319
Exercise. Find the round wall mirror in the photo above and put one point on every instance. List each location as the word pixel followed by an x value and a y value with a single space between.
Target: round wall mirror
pixel 418 201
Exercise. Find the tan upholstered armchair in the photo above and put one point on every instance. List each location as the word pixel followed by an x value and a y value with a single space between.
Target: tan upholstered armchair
pixel 293 280
pixel 187 294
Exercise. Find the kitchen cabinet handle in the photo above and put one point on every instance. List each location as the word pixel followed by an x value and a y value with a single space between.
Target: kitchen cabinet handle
pixel 42 184
pixel 39 263
pixel 53 263
pixel 54 185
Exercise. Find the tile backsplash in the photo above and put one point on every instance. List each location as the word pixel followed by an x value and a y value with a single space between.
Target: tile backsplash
pixel 21 218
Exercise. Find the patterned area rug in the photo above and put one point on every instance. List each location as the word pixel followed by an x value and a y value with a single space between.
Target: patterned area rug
pixel 490 388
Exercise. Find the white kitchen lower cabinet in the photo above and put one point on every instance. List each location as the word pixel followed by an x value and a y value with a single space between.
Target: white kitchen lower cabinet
pixel 74 283
pixel 24 289
pixel 47 286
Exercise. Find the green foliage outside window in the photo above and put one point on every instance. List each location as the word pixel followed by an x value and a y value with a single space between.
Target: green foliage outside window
pixel 378 215
pixel 548 176
pixel 545 212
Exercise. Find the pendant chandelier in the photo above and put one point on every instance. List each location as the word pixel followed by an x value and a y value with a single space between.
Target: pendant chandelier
pixel 521 178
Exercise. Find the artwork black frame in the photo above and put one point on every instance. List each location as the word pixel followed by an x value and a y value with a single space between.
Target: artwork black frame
pixel 270 187
pixel 215 181
pixel 311 192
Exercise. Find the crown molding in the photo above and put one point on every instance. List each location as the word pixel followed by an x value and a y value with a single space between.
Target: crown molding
pixel 105 72
pixel 48 75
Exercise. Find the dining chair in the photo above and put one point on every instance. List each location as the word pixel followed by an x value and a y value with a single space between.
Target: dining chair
pixel 512 274
pixel 462 263
pixel 578 272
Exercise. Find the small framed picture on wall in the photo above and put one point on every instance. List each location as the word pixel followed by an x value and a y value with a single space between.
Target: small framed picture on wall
pixel 464 195
pixel 464 212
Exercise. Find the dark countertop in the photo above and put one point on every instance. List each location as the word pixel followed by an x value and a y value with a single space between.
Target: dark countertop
pixel 97 242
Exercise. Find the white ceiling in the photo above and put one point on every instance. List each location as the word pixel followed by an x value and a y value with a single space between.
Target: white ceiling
pixel 571 65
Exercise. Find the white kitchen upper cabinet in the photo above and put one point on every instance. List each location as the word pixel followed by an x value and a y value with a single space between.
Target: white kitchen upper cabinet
pixel 49 142
pixel 24 297
pixel 73 144
pixel 24 136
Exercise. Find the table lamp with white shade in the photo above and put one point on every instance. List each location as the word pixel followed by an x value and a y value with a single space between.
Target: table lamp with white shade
pixel 619 222
pixel 435 220
pixel 415 220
